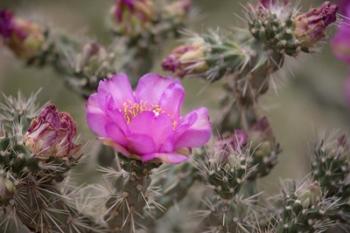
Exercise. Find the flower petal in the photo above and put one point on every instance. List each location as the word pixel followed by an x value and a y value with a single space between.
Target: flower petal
pixel 115 133
pixel 194 130
pixel 119 148
pixel 118 87
pixel 172 158
pixel 140 145
pixel 158 127
pixel 151 87
pixel 98 119
pixel 172 99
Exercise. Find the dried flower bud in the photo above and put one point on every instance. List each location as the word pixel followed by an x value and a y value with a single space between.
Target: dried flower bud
pixel 131 17
pixel 23 37
pixel 187 59
pixel 52 134
pixel 179 8
pixel 310 27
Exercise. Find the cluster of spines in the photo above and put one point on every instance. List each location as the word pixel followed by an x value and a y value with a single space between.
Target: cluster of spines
pixel 331 169
pixel 132 196
pixel 263 159
pixel 305 210
pixel 275 33
pixel 29 194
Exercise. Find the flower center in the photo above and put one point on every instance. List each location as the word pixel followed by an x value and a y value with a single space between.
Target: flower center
pixel 132 109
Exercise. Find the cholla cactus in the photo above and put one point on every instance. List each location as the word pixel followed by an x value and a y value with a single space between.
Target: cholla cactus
pixel 143 26
pixel 276 29
pixel 304 209
pixel 140 23
pixel 154 156
pixel 132 17
pixel 145 126
pixel 331 167
pixel 143 21
pixel 33 159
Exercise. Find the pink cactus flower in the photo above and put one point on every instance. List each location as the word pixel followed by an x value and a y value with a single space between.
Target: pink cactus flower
pixel 146 123
pixel 52 134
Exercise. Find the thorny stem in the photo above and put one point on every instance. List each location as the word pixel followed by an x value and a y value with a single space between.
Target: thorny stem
pixel 126 206
pixel 42 208
pixel 174 191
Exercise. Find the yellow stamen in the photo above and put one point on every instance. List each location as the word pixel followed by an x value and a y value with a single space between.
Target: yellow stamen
pixel 132 109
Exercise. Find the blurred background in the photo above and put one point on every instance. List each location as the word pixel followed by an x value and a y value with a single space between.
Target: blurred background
pixel 310 98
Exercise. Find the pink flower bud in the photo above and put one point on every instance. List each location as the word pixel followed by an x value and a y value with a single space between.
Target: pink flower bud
pixel 23 37
pixel 52 133
pixel 310 27
pixel 187 59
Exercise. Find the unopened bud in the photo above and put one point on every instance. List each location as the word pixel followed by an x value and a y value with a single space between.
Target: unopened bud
pixel 310 27
pixel 52 133
pixel 23 37
pixel 187 59
pixel 131 17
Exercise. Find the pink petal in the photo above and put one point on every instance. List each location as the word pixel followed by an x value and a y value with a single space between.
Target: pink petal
pixel 119 148
pixel 95 117
pixel 158 127
pixel 98 117
pixel 118 87
pixel 140 145
pixel 114 132
pixel 172 99
pixel 151 88
pixel 194 130
pixel 166 157
pixel 97 123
